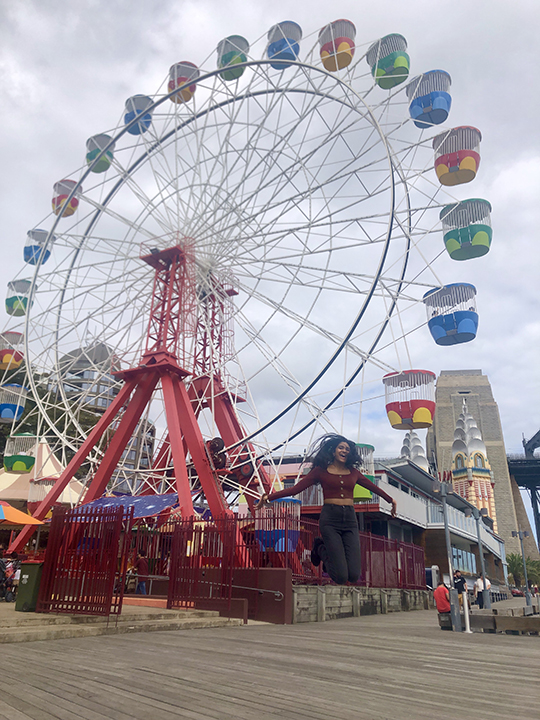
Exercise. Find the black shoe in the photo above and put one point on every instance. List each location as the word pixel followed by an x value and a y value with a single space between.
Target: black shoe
pixel 315 556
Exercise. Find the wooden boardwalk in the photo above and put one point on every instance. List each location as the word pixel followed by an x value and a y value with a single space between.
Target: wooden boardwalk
pixel 399 667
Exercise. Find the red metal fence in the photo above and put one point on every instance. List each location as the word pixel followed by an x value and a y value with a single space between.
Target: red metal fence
pixel 85 564
pixel 391 564
pixel 194 561
pixel 203 555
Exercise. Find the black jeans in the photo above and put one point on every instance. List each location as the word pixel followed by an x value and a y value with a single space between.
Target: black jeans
pixel 341 551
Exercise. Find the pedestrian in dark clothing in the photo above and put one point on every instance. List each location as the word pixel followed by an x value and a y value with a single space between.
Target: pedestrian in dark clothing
pixel 460 585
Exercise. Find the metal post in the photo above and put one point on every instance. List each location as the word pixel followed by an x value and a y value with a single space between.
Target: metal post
pixel 455 615
pixel 528 599
pixel 465 598
pixel 533 492
pixel 485 591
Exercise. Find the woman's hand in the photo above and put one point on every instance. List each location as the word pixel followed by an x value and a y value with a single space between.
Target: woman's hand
pixel 393 512
pixel 262 502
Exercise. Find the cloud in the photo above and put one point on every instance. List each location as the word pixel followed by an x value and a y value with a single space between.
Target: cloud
pixel 66 71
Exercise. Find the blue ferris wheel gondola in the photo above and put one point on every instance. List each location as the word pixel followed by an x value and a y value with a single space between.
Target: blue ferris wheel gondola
pixel 284 44
pixel 452 315
pixel 429 98
pixel 34 247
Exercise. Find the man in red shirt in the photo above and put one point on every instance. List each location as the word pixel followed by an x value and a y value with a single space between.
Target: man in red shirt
pixel 442 598
pixel 141 567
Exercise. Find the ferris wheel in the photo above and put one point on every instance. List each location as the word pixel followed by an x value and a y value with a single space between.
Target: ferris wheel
pixel 273 223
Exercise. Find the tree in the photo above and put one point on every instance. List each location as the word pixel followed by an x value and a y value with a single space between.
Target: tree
pixel 533 571
pixel 515 567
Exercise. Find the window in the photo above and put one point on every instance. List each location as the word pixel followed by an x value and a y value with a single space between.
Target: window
pixel 459 461
pixel 407 535
pixel 479 461
pixel 463 560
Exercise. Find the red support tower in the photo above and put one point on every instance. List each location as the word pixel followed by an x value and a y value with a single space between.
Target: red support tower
pixel 173 323
pixel 213 348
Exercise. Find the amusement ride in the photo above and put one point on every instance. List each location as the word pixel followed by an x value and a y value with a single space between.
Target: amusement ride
pixel 235 267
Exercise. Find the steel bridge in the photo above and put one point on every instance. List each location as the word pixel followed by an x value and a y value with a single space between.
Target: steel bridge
pixel 526 471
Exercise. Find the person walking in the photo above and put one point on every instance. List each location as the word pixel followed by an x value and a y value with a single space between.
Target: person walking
pixel 333 465
pixel 478 590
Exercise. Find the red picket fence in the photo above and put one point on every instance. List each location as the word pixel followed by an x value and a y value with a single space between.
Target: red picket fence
pixel 85 564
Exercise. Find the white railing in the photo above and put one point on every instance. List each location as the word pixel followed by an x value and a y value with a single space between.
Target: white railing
pixel 410 507
pixel 464 526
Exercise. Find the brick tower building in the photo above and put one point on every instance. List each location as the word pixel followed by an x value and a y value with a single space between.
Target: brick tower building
pixel 453 387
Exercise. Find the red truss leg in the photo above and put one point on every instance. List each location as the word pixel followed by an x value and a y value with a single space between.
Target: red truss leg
pixel 88 445
pixel 133 412
pixel 214 347
pixel 174 412
pixel 180 405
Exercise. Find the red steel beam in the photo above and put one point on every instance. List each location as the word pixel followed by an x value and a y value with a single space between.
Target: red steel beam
pixel 93 437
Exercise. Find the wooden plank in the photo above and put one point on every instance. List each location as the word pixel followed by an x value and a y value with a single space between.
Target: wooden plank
pixel 482 622
pixel 365 668
pixel 525 623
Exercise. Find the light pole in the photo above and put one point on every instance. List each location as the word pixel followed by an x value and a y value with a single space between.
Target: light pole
pixel 476 513
pixel 444 489
pixel 521 534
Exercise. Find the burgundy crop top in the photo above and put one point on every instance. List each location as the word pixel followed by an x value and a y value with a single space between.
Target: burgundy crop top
pixel 333 486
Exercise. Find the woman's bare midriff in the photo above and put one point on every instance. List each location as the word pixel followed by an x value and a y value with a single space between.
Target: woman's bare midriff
pixel 339 501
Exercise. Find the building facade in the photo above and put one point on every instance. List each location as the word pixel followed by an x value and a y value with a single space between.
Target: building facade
pixel 453 387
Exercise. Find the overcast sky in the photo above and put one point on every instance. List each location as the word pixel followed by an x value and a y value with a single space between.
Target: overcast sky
pixel 67 68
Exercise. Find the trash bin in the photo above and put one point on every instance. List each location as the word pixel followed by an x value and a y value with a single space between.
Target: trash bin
pixel 27 593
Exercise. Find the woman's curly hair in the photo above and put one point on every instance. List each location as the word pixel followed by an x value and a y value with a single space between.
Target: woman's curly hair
pixel 321 454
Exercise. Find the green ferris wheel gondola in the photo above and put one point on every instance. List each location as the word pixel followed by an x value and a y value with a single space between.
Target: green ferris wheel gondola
pixel 389 61
pixel 467 228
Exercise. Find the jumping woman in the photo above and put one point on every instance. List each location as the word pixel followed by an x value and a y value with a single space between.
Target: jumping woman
pixel 333 465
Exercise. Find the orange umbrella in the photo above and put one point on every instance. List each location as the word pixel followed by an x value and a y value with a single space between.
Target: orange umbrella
pixel 10 516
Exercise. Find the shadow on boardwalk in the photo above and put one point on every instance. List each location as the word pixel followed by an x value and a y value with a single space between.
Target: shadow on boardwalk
pixel 398 666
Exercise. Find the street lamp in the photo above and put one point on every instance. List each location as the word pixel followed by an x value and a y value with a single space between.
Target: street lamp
pixel 476 513
pixel 444 489
pixel 521 534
